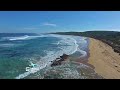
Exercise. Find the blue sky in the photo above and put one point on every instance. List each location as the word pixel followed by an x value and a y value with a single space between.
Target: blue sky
pixel 53 21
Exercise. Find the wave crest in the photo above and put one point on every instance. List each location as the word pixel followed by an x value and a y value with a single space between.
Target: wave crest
pixel 67 45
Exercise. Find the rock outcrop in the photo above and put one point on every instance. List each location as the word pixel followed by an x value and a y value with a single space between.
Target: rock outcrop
pixel 58 61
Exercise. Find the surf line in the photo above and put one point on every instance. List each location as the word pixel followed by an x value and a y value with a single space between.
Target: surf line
pixel 34 68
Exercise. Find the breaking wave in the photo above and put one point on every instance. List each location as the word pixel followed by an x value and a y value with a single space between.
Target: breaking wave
pixel 25 37
pixel 66 44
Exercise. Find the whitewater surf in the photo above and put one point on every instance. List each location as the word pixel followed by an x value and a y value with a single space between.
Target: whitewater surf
pixel 41 49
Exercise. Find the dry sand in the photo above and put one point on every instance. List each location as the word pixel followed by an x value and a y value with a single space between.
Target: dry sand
pixel 104 59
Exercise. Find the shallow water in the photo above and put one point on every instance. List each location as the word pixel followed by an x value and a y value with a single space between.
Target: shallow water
pixel 18 50
pixel 68 70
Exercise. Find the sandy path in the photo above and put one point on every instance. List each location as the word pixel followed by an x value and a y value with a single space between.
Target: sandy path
pixel 104 59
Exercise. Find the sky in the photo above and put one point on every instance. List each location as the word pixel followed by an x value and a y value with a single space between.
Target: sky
pixel 56 21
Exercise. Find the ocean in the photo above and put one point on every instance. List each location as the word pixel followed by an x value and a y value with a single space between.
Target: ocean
pixel 19 51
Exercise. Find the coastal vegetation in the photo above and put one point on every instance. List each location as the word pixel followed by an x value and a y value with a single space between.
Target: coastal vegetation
pixel 111 38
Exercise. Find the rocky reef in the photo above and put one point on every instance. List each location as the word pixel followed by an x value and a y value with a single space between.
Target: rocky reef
pixel 63 68
pixel 59 60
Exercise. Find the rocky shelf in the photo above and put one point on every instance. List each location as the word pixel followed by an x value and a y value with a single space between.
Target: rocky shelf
pixel 59 60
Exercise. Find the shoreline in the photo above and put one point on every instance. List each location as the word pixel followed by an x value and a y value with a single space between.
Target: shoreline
pixel 104 59
pixel 84 59
pixel 79 64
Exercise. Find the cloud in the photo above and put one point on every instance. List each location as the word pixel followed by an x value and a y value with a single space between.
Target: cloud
pixel 38 26
pixel 49 24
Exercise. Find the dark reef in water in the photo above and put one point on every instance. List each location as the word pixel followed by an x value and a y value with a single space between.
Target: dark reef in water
pixel 67 70
pixel 58 61
pixel 63 68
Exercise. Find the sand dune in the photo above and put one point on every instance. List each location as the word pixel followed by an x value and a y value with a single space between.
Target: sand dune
pixel 104 59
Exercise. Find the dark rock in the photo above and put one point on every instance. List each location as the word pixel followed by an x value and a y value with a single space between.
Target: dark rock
pixel 64 56
pixel 57 58
pixel 58 61
pixel 55 63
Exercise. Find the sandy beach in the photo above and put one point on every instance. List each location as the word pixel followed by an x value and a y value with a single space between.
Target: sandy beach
pixel 104 59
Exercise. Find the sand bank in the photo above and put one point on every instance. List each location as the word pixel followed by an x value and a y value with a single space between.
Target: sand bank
pixel 104 59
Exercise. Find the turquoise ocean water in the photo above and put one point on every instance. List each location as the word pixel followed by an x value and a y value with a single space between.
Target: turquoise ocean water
pixel 18 51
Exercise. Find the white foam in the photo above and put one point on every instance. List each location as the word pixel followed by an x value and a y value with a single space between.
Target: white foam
pixel 40 65
pixel 19 38
pixel 84 53
pixel 68 45
pixel 25 37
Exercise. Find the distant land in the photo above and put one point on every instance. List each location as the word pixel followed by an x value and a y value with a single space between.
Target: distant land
pixel 111 38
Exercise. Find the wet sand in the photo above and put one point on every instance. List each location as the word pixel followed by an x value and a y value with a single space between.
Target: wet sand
pixel 104 59
pixel 83 60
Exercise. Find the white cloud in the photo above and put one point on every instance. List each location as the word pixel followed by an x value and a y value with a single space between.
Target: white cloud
pixel 38 27
pixel 49 24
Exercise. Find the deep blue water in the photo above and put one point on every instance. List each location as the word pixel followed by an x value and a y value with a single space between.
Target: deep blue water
pixel 17 51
